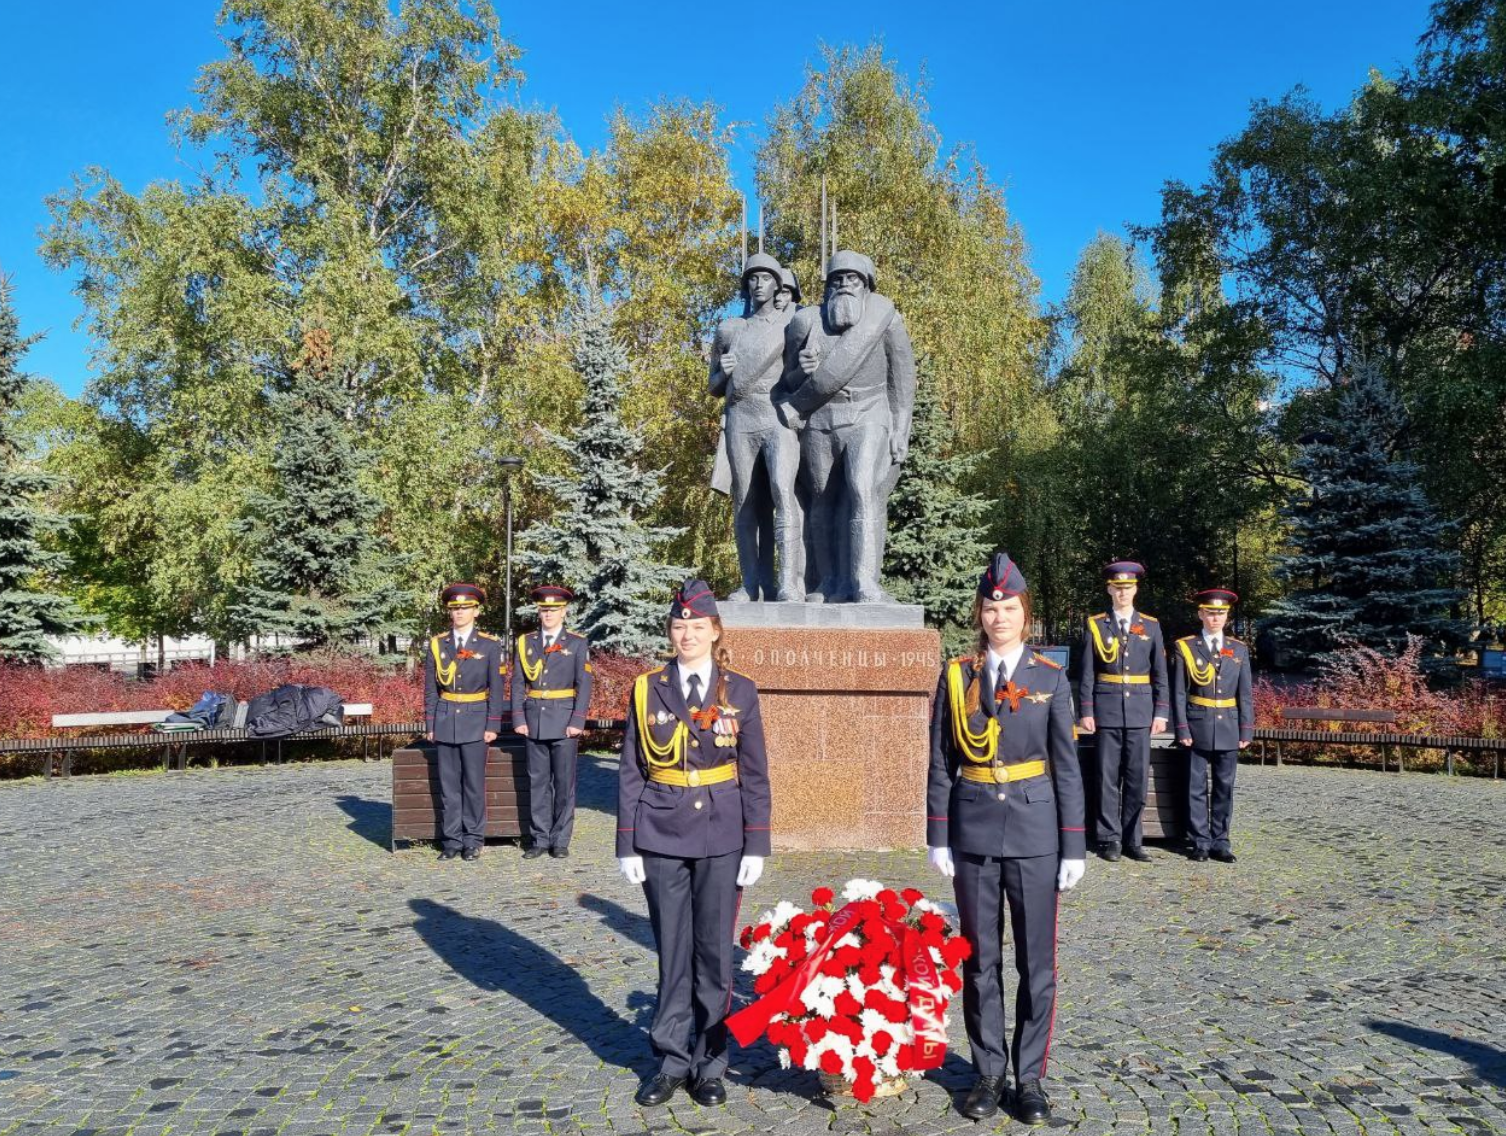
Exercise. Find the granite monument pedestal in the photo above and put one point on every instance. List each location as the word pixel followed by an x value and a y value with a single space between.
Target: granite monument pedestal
pixel 846 696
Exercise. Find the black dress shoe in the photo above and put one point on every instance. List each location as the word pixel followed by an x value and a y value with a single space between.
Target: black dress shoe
pixel 1224 856
pixel 450 854
pixel 559 853
pixel 1135 852
pixel 1109 851
pixel 534 852
pixel 1030 1103
pixel 1198 854
pixel 471 854
pixel 653 1093
pixel 983 1098
pixel 709 1093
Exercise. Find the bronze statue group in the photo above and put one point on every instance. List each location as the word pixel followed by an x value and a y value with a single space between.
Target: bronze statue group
pixel 816 425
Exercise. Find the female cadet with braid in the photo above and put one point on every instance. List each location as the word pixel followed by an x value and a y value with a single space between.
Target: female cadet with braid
pixel 693 829
pixel 1004 817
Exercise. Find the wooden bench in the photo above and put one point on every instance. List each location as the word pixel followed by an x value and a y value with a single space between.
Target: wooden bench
pixel 1337 737
pixel 175 745
pixel 1165 812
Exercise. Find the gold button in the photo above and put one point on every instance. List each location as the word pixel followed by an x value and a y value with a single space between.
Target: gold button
pixel 695 743
pixel 694 777
pixel 698 804
pixel 1001 796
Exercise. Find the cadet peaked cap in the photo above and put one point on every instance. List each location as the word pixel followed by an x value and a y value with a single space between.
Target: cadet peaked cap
pixel 694 600
pixel 462 595
pixel 1216 599
pixel 1124 572
pixel 551 595
pixel 761 262
pixel 1002 579
pixel 846 261
pixel 788 279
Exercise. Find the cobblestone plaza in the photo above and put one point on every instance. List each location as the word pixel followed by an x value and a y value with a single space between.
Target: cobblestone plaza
pixel 238 952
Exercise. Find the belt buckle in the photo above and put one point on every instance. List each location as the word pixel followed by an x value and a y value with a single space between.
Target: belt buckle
pixel 1001 775
pixel 693 777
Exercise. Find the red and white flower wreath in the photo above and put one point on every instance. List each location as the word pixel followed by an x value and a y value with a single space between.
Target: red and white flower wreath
pixel 860 990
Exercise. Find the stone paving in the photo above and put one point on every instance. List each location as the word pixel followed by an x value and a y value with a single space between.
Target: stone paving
pixel 237 951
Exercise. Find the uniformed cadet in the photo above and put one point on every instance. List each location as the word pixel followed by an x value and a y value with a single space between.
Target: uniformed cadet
pixel 1004 805
pixel 1214 705
pixel 463 696
pixel 1123 697
pixel 551 692
pixel 693 829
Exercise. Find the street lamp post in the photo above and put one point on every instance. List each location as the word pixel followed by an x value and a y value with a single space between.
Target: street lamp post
pixel 509 467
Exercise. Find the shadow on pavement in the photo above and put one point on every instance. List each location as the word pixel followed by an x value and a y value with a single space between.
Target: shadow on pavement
pixel 618 918
pixel 371 820
pixel 1488 1061
pixel 492 956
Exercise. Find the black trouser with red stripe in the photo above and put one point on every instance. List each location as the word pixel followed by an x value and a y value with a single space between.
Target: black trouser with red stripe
pixel 983 886
pixel 1123 755
pixel 692 904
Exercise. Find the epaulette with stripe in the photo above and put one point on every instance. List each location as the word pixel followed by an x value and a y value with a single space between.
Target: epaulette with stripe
pixel 739 674
pixel 486 635
pixel 1188 638
pixel 1042 659
pixel 1231 639
pixel 1152 618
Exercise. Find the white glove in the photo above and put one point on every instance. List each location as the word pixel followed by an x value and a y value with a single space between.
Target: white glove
pixel 941 860
pixel 1069 875
pixel 631 868
pixel 749 870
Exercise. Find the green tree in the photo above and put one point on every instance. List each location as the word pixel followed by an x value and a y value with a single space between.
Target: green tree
pixel 597 542
pixel 30 612
pixel 318 576
pixel 1370 564
pixel 938 532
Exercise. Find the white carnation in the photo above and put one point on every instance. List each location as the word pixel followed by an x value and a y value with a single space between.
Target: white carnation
pixel 861 889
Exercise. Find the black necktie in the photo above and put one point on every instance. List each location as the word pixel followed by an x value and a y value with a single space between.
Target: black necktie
pixel 1124 629
pixel 693 699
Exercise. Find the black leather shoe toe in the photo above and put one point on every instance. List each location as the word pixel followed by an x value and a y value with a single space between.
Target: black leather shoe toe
pixel 658 1091
pixel 1199 855
pixel 471 854
pixel 1031 1105
pixel 1138 853
pixel 983 1098
pixel 535 852
pixel 1109 852
pixel 709 1093
pixel 1224 856
pixel 450 854
pixel 559 853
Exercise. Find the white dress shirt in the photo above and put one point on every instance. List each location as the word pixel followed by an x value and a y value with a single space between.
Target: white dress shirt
pixel 703 670
pixel 1009 660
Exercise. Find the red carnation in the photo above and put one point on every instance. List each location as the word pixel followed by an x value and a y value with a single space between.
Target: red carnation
pixel 798 923
pixel 863 1087
pixel 761 932
pixel 834 967
pixel 848 1029
pixel 765 982
pixel 895 910
pixel 886 897
pixel 847 1005
pixel 783 939
pixel 956 951
pixel 862 1090
pixel 797 1048
pixel 747 938
pixel 831 1063
pixel 816 1029
pixel 912 896
pixel 904 1057
pixel 822 896
pixel 930 921
pixel 881 1042
pixel 869 974
pixel 950 980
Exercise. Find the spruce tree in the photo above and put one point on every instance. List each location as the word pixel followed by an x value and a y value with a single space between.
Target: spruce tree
pixel 318 576
pixel 594 543
pixel 28 614
pixel 1371 563
pixel 938 542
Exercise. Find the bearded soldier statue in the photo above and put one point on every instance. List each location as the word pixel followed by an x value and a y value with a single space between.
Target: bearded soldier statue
pixel 848 388
pixel 758 456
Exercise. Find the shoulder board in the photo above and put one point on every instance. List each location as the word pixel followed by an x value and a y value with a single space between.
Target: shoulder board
pixel 1042 659
pixel 959 660
pixel 736 674
pixel 1188 638
pixel 485 635
pixel 1100 615
pixel 659 671
pixel 1231 639
pixel 1151 618
pixel 438 637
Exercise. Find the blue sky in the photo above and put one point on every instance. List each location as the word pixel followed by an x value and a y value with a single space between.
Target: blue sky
pixel 1081 111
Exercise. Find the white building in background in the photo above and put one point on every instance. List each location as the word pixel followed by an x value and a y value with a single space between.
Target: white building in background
pixel 106 651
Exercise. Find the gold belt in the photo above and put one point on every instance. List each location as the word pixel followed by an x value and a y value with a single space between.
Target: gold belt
pixel 712 776
pixel 552 693
pixel 451 696
pixel 1216 703
pixel 999 774
pixel 1126 680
